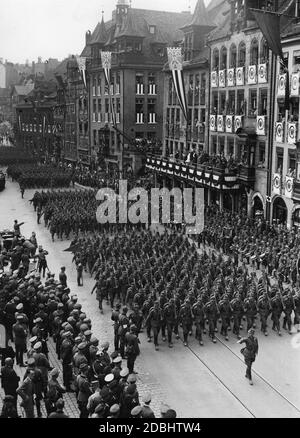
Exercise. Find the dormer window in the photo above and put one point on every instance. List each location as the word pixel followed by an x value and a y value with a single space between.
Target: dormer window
pixel 152 29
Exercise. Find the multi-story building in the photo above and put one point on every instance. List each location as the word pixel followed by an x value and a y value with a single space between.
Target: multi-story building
pixel 137 39
pixel 285 201
pixel 240 105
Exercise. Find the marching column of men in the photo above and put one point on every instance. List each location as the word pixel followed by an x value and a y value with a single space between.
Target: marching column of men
pixel 165 283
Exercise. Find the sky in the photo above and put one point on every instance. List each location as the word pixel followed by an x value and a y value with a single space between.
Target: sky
pixel 56 28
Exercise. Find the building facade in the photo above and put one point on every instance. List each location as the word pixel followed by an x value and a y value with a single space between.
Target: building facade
pixel 285 201
pixel 137 39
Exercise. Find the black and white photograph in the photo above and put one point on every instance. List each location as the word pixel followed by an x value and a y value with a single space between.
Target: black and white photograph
pixel 149 212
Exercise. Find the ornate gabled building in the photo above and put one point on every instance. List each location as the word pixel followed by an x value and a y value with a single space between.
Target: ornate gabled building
pixel 138 40
pixel 285 200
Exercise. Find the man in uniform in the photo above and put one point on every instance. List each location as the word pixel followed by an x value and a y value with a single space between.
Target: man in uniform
pixel 236 306
pixel 288 307
pixel 115 318
pixel 84 391
pixel 249 352
pixel 170 317
pixel 250 311
pixel 225 313
pixel 199 318
pixel 186 319
pixel 123 329
pixel 263 306
pixel 277 309
pixel 132 349
pixel 211 312
pixel 154 320
pixel 66 349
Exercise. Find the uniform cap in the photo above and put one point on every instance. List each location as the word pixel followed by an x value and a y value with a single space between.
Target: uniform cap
pixel 60 305
pixel 20 317
pixel 105 346
pixel 19 306
pixel 117 360
pixel 37 346
pixel 31 362
pixel 74 297
pixel 82 346
pixel 38 319
pixel 77 306
pixel 131 378
pixel 64 324
pixel 94 340
pixel 22 286
pixel 130 389
pixel 115 409
pixel 83 366
pixel 78 339
pixel 136 411
pixel 87 333
pixel 33 339
pixel 147 397
pixel 68 333
pixel 109 378
pixel 124 372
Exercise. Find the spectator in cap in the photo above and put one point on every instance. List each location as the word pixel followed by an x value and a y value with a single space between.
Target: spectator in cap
pixel 84 390
pixel 130 399
pixel 132 349
pixel 117 366
pixel 26 391
pixel 55 392
pixel 59 412
pixel 114 411
pixel 20 335
pixel 38 383
pixel 146 410
pixel 10 379
pixel 136 412
pixel 63 277
pixel 164 409
pixel 94 399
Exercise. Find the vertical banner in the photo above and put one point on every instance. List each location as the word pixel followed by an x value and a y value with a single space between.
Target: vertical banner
pixel 82 67
pixel 106 65
pixel 44 125
pixel 175 65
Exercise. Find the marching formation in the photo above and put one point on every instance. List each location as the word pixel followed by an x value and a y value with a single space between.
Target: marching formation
pixel 30 176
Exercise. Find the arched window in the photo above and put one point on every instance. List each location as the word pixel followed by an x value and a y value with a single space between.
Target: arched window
pixel 216 57
pixel 223 63
pixel 254 52
pixel 264 51
pixel 232 56
pixel 242 54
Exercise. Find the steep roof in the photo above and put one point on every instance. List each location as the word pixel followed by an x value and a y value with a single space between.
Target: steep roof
pixel 99 35
pixel 200 16
pixel 133 26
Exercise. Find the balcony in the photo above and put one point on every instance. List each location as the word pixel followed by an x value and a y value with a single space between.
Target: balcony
pixel 281 85
pixel 203 175
pixel 279 132
pixel 222 78
pixel 262 73
pixel 291 133
pixel 139 89
pixel 214 79
pixel 295 84
pixel 240 77
pixel 261 125
pixel 252 76
pixel 139 118
pixel 277 184
pixel 220 123
pixel 152 89
pixel 230 77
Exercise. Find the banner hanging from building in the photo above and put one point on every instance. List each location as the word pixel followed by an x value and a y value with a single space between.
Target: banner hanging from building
pixel 175 65
pixel 82 67
pixel 269 24
pixel 106 65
